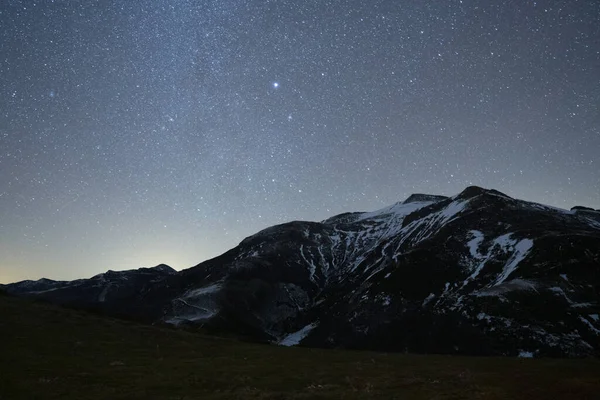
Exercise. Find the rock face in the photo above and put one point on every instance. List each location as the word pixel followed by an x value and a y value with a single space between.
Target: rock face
pixel 477 273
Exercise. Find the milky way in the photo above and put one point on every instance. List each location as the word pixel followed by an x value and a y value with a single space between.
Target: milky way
pixel 134 133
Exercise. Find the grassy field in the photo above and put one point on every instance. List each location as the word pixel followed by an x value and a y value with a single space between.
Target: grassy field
pixel 52 353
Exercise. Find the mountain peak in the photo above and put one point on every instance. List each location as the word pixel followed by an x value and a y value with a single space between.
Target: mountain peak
pixel 418 197
pixel 164 268
pixel 473 191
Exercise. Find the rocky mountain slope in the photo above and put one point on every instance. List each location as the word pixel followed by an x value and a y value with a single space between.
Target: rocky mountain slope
pixel 477 273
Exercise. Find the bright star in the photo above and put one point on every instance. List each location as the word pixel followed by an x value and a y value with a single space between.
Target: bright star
pixel 275 85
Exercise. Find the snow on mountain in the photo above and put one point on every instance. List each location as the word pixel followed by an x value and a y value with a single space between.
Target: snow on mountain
pixel 195 305
pixel 295 338
pixel 476 273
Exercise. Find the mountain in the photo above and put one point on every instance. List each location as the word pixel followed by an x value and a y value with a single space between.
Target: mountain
pixel 118 293
pixel 477 273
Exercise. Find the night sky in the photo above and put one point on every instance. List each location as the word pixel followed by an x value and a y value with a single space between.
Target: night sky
pixel 134 133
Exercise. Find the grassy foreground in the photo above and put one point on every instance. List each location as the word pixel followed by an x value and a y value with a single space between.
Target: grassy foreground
pixel 52 353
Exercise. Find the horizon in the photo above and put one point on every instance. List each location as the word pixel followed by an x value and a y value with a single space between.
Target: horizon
pixel 219 252
pixel 135 133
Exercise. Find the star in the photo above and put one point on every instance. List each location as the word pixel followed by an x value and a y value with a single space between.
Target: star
pixel 202 117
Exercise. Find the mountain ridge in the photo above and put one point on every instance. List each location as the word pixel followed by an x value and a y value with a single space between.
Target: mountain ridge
pixel 470 274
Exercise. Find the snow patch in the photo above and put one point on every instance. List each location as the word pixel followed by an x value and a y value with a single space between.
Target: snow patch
pixel 581 305
pixel 560 292
pixel 194 305
pixel 573 304
pixel 564 276
pixel 446 287
pixel 428 299
pixel 508 286
pixel 474 244
pixel 311 264
pixel 176 320
pixel 506 244
pixel 203 290
pixel 452 210
pixel 593 223
pixel 397 209
pixel 525 354
pixel 594 317
pixel 505 241
pixel 521 250
pixel 102 295
pixel 325 267
pixel 589 324
pixel 483 316
pixel 295 338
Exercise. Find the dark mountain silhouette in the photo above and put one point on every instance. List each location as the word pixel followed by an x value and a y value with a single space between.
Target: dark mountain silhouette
pixel 477 273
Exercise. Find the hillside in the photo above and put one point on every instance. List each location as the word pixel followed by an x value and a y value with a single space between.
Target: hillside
pixel 53 353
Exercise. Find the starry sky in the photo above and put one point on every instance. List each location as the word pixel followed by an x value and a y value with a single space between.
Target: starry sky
pixel 134 133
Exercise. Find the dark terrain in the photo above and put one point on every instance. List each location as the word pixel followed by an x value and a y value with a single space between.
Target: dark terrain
pixel 55 353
